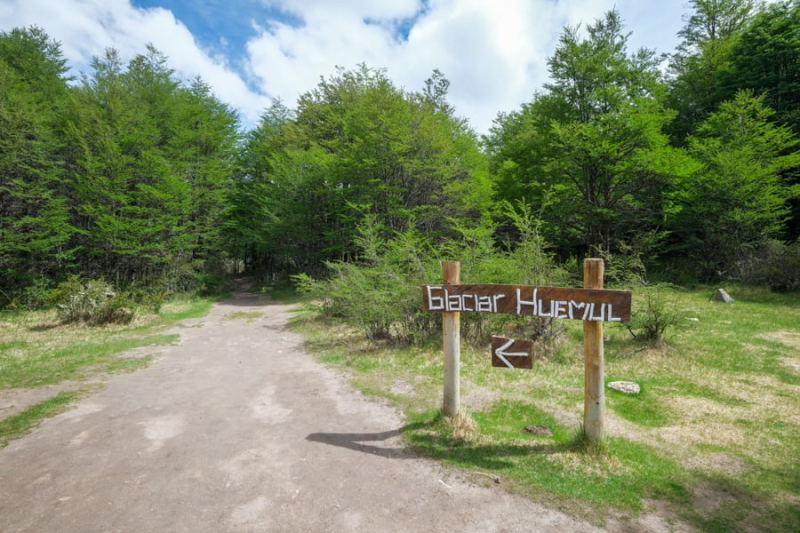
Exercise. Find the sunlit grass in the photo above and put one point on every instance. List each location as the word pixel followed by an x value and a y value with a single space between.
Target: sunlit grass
pixel 21 423
pixel 249 316
pixel 38 350
pixel 718 418
pixel 59 354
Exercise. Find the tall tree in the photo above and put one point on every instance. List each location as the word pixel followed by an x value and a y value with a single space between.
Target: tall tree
pixel 34 220
pixel 705 51
pixel 203 146
pixel 737 197
pixel 589 150
pixel 766 60
pixel 151 160
pixel 358 145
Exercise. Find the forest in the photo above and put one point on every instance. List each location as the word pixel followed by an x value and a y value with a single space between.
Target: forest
pixel 681 167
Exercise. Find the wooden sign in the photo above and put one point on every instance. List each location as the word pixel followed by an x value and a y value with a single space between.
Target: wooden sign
pixel 511 353
pixel 595 305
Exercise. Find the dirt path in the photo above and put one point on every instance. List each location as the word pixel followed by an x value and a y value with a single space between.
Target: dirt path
pixel 237 429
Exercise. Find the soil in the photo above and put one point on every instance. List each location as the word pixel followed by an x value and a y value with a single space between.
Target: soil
pixel 237 429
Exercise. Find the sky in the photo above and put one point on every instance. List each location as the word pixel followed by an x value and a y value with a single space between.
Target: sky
pixel 494 52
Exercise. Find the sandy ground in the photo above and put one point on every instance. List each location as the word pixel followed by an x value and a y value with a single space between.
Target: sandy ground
pixel 237 429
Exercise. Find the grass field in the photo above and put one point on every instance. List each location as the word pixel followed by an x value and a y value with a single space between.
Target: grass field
pixel 713 439
pixel 36 350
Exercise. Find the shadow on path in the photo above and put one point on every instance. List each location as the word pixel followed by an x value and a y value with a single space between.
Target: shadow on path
pixel 354 441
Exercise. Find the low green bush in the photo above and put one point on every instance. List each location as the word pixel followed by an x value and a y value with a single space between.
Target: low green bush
pixel 655 310
pixel 772 264
pixel 92 301
pixel 381 292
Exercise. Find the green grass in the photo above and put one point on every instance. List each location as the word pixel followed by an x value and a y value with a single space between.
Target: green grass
pixel 283 293
pixel 644 409
pixel 249 316
pixel 42 365
pixel 186 308
pixel 20 424
pixel 129 364
pixel 37 350
pixel 561 467
pixel 714 435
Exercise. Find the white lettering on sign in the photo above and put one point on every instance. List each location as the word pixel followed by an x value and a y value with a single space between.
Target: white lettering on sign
pixel 440 299
pixel 563 309
pixel 461 302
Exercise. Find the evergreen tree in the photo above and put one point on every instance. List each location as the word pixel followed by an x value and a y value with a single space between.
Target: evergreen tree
pixel 704 54
pixel 35 231
pixel 589 151
pixel 151 160
pixel 358 145
pixel 736 198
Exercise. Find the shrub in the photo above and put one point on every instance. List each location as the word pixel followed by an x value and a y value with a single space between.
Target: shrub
pixel 91 301
pixel 37 295
pixel 154 301
pixel 526 261
pixel 381 292
pixel 653 312
pixel 772 264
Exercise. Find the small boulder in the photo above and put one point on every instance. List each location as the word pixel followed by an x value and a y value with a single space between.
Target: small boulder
pixel 628 387
pixel 722 296
pixel 542 431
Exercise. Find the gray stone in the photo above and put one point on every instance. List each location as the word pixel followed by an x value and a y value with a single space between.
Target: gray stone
pixel 542 431
pixel 722 296
pixel 628 387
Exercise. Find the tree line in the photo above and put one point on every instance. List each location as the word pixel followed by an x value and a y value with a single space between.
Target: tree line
pixel 134 176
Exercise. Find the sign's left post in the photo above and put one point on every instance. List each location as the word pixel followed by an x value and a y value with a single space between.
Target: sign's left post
pixel 451 326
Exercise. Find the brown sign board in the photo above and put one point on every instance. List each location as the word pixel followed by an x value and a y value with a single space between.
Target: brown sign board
pixel 511 353
pixel 550 302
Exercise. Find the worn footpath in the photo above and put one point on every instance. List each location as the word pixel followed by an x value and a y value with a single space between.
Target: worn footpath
pixel 236 428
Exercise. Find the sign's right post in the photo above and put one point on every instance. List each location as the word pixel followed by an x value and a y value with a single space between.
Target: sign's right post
pixel 594 394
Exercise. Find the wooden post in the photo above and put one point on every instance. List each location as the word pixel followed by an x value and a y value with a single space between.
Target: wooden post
pixel 594 394
pixel 451 322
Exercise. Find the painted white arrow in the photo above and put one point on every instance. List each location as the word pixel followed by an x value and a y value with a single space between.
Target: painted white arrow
pixel 503 354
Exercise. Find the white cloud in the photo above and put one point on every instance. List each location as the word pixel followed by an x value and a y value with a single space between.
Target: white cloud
pixel 87 28
pixel 324 9
pixel 494 52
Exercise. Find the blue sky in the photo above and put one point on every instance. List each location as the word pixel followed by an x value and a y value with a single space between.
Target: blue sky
pixel 493 52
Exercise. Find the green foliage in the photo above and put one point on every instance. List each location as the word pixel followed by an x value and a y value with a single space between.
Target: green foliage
pixel 590 147
pixel 356 146
pixel 122 177
pixel 35 229
pixel 37 295
pixel 773 264
pixel 154 301
pixel 151 161
pixel 526 260
pixel 765 60
pixel 702 58
pixel 92 301
pixel 654 308
pixel 738 195
pixel 137 177
pixel 381 294
pixel 654 311
pixel 23 422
